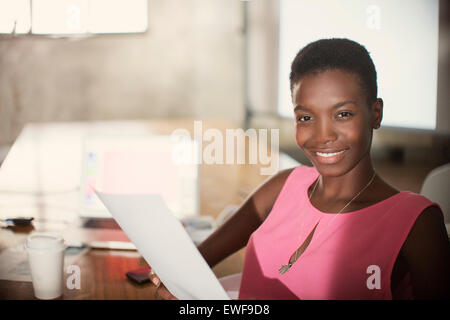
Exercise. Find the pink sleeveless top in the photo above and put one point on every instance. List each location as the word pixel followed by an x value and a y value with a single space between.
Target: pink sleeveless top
pixel 351 255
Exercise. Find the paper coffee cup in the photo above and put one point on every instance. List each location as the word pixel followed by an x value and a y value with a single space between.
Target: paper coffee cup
pixel 46 258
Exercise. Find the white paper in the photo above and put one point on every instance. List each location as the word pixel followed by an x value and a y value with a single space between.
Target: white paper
pixel 165 245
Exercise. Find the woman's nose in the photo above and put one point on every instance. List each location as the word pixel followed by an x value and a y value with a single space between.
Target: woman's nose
pixel 324 133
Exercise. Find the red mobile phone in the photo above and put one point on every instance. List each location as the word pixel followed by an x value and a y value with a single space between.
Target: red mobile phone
pixel 140 276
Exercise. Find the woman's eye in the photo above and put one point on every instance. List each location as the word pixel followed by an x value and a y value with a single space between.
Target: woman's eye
pixel 341 115
pixel 303 118
pixel 344 114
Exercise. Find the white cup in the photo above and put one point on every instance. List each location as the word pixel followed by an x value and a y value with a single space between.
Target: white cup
pixel 46 257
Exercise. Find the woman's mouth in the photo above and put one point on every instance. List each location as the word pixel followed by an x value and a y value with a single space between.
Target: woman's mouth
pixel 330 157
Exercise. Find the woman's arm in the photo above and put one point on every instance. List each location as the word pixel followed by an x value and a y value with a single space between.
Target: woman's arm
pixel 427 252
pixel 235 232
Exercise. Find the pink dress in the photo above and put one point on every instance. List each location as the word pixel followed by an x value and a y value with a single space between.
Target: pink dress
pixel 351 255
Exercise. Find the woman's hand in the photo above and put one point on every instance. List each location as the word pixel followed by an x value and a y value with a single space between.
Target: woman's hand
pixel 161 292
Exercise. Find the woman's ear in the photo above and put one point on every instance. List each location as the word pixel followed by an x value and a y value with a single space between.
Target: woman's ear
pixel 377 113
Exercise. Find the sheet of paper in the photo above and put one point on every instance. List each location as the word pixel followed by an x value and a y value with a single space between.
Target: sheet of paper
pixel 165 245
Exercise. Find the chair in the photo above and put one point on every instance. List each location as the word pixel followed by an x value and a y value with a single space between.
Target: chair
pixel 436 187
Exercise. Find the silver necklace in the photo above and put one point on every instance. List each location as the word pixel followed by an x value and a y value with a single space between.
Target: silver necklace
pixel 284 268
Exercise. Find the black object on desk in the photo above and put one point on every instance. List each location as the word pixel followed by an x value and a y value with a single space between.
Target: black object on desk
pixel 21 221
pixel 140 276
pixel 101 223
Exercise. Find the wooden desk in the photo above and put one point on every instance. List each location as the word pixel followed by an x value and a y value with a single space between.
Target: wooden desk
pixel 103 271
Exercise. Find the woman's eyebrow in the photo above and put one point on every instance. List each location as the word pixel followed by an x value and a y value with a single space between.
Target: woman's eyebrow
pixel 337 105
pixel 299 107
pixel 342 103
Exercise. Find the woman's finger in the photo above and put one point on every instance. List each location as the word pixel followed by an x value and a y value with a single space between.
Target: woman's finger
pixel 154 278
pixel 162 293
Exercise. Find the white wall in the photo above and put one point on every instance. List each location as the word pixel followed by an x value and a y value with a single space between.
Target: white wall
pixel 188 63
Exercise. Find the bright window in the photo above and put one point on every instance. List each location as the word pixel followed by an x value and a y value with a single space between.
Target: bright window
pixel 15 16
pixel 401 36
pixel 72 17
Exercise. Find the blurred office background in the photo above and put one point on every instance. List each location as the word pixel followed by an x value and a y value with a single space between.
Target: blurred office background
pixel 202 59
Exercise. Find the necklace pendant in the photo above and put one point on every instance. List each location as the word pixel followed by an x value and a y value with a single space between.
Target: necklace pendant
pixel 284 268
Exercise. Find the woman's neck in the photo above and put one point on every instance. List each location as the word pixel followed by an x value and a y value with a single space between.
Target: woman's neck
pixel 345 186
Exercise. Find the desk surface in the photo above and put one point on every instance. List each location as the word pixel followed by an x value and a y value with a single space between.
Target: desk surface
pixel 102 271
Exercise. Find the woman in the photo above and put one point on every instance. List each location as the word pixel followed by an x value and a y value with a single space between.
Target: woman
pixel 335 230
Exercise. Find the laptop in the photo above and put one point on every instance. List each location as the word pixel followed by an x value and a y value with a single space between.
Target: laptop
pixel 139 164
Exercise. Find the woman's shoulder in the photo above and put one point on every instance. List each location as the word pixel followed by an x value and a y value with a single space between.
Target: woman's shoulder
pixel 416 200
pixel 425 215
pixel 295 176
pixel 428 212
pixel 304 172
pixel 267 193
pixel 278 180
pixel 290 180
pixel 301 172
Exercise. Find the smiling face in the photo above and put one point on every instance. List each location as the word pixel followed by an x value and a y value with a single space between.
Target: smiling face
pixel 333 121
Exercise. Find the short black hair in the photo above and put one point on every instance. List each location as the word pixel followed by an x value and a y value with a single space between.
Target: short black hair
pixel 336 54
